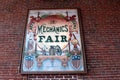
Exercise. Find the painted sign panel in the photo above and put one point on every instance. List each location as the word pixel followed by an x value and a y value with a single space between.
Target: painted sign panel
pixel 53 42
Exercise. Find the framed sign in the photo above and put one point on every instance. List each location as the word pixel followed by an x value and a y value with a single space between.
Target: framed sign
pixel 53 42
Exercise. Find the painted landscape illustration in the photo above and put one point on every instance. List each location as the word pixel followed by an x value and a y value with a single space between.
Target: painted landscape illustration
pixel 52 41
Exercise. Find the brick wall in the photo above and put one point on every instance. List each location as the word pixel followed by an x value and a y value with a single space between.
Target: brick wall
pixel 101 28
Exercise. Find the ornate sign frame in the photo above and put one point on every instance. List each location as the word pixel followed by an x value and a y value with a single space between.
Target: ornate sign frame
pixel 53 42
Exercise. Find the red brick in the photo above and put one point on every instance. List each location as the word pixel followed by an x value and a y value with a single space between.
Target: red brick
pixel 101 29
